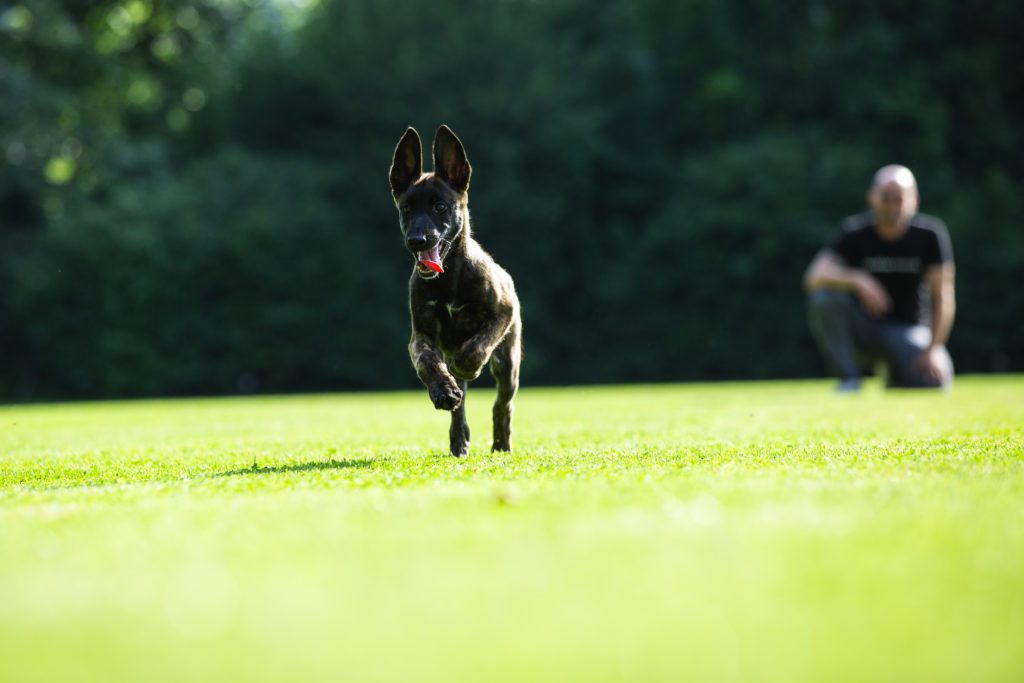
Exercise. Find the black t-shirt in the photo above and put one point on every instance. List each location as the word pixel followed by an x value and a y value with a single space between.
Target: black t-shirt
pixel 900 265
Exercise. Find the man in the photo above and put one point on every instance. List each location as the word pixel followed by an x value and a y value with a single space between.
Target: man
pixel 883 290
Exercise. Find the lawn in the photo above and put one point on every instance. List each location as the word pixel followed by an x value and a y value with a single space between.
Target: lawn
pixel 729 532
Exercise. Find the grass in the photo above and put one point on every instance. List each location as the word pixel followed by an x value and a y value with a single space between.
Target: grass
pixel 734 532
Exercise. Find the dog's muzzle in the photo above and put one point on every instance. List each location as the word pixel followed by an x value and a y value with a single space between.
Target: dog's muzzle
pixel 430 262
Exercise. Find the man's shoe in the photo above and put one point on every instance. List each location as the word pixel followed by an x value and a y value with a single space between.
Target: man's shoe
pixel 848 386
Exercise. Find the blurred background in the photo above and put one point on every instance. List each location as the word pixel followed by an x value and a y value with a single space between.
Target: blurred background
pixel 194 195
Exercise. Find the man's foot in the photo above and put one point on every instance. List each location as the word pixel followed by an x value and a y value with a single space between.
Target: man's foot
pixel 848 386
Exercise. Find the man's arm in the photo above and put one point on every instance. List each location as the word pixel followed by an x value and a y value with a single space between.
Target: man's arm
pixel 941 278
pixel 827 270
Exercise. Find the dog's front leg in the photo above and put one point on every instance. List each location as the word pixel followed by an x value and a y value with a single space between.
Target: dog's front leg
pixel 458 432
pixel 469 361
pixel 427 358
pixel 444 390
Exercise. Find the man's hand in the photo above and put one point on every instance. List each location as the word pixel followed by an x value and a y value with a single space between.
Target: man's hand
pixel 929 365
pixel 873 298
pixel 827 270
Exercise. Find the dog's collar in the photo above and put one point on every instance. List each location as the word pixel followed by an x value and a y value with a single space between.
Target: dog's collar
pixel 429 275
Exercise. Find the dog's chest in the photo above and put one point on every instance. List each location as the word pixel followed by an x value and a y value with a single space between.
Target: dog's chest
pixel 453 309
pixel 457 322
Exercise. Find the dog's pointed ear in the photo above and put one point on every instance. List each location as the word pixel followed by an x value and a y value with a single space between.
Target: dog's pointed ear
pixel 450 162
pixel 407 166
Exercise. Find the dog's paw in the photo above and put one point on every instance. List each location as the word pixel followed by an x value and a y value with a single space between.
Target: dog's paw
pixel 445 395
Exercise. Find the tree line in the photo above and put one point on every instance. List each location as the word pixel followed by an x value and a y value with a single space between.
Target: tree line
pixel 195 197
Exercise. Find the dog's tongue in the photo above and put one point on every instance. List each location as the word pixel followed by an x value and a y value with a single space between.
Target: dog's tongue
pixel 432 259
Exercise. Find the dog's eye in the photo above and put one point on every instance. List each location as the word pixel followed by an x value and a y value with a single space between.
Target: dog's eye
pixel 441 207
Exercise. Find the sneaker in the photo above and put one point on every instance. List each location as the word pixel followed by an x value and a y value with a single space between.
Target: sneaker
pixel 848 386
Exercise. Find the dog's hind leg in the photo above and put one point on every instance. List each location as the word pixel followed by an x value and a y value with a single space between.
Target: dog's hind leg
pixel 458 433
pixel 505 369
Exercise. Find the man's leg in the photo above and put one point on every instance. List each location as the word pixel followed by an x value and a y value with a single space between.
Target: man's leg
pixel 844 334
pixel 903 344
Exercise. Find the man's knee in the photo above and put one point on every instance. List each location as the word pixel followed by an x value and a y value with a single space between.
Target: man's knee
pixel 828 298
pixel 915 379
pixel 824 305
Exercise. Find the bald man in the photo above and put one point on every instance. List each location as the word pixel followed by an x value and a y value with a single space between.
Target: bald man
pixel 883 290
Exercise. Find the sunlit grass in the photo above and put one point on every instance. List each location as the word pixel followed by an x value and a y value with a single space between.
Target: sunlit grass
pixel 768 532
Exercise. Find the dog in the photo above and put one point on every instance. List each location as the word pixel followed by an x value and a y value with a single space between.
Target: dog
pixel 464 308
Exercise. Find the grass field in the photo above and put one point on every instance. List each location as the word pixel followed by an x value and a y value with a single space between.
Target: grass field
pixel 734 532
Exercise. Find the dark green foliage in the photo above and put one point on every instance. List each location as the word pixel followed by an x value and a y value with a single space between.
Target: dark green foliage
pixel 655 175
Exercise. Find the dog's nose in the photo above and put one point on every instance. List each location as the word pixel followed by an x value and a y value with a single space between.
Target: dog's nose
pixel 416 243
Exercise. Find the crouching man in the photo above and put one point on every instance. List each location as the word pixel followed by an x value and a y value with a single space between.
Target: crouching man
pixel 883 290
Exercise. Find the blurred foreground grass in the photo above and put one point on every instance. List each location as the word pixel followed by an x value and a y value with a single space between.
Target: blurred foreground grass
pixel 746 532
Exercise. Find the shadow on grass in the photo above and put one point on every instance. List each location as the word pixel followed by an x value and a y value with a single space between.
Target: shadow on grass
pixel 314 465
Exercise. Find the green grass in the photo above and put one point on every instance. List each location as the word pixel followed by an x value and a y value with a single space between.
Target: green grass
pixel 734 532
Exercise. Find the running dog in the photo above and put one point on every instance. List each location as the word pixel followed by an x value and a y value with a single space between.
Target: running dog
pixel 465 313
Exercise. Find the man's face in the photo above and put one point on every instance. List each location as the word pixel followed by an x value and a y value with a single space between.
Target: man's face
pixel 893 203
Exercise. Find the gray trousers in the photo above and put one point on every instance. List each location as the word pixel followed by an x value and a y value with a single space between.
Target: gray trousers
pixel 851 341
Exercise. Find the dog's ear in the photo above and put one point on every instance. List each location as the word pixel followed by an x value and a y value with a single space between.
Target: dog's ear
pixel 407 166
pixel 450 162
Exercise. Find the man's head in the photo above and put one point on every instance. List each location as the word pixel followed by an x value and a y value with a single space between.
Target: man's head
pixel 893 195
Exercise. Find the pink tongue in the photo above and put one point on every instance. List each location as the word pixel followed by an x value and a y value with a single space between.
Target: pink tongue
pixel 432 259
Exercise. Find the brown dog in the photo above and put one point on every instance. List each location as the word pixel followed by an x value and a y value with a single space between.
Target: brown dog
pixel 464 306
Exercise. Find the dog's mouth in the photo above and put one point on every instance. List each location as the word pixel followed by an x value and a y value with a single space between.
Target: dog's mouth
pixel 428 262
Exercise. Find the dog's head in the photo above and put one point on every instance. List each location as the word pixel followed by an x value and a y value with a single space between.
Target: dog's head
pixel 433 207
